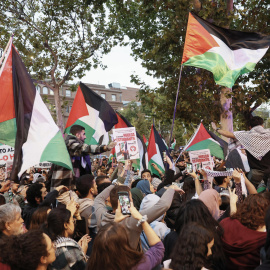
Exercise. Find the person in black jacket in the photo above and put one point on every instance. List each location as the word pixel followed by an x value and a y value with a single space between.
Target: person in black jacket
pixel 37 196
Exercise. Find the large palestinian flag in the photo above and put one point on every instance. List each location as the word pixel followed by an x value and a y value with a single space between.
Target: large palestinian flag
pixel 142 163
pixel 155 149
pixel 25 122
pixel 92 112
pixel 201 139
pixel 226 53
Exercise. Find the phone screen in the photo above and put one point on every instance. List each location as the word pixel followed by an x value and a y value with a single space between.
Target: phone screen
pixel 189 168
pixel 124 202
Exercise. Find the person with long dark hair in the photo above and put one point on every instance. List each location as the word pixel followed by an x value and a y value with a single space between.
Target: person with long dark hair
pixel 69 253
pixel 112 249
pixel 193 248
pixel 196 211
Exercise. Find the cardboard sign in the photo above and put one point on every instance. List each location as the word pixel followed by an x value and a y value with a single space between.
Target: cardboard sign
pixel 201 159
pixel 127 145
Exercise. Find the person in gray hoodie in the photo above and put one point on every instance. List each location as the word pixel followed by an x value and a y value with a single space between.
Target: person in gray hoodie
pixel 104 217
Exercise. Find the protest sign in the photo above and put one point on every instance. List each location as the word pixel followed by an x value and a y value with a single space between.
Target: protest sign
pixel 201 159
pixel 45 165
pixel 127 145
pixel 6 154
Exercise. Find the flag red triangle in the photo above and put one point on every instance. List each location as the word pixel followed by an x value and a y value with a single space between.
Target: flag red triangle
pixel 6 89
pixel 78 109
pixel 201 135
pixel 198 40
pixel 121 123
pixel 151 149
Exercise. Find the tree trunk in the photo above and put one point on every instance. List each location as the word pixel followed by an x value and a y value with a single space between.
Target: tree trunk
pixel 226 117
pixel 58 109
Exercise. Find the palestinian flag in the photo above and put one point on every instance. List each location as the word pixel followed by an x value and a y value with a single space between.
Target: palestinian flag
pixel 173 144
pixel 156 147
pixel 145 140
pixel 142 163
pixel 92 112
pixel 112 155
pixel 25 122
pixel 203 140
pixel 226 53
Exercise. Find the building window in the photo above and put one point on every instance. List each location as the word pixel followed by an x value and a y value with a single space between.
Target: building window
pixel 45 91
pixel 38 88
pixel 120 97
pixel 68 109
pixel 113 97
pixel 51 92
pixel 103 96
pixel 68 93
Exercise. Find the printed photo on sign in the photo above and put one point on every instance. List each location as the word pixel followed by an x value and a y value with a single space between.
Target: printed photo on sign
pixel 201 159
pixel 127 145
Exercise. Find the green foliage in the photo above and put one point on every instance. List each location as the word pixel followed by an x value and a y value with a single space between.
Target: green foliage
pixel 157 32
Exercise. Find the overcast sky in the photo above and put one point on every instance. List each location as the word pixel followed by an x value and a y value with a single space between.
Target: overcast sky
pixel 120 65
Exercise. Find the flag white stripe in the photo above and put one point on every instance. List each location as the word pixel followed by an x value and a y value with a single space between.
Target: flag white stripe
pixel 42 129
pixel 236 59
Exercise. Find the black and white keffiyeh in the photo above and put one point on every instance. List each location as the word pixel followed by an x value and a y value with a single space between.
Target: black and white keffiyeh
pixel 256 141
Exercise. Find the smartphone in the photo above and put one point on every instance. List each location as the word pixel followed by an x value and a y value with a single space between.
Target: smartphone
pixel 189 167
pixel 198 166
pixel 124 200
pixel 164 155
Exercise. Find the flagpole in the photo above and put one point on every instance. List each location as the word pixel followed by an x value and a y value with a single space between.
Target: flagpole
pixel 176 99
pixel 10 40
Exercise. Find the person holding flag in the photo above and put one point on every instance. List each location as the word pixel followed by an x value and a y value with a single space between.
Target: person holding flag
pixel 79 153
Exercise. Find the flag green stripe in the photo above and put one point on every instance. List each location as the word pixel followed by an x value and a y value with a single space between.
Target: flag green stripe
pixel 88 130
pixel 8 132
pixel 56 152
pixel 154 171
pixel 213 62
pixel 214 148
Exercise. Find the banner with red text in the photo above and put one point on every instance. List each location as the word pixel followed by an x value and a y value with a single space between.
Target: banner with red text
pixel 127 145
pixel 201 159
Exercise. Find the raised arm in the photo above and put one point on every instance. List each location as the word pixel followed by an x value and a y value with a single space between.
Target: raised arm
pixel 224 133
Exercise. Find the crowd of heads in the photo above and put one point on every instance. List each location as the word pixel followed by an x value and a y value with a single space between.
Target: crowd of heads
pixel 40 227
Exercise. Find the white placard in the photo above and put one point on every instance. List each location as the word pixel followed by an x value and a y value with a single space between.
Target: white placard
pixel 127 145
pixel 201 157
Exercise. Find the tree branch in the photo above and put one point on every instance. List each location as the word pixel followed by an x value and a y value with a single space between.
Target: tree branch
pixel 52 72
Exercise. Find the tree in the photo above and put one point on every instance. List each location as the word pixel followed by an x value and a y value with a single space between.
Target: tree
pixel 157 32
pixel 58 39
pixel 142 118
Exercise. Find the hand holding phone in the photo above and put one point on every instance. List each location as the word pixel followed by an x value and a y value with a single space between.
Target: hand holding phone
pixel 124 201
pixel 189 167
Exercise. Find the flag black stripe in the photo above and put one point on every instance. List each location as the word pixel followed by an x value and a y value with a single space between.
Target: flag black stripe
pixel 106 112
pixel 236 39
pixel 24 96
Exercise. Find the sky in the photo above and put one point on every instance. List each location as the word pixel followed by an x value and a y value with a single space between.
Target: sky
pixel 120 66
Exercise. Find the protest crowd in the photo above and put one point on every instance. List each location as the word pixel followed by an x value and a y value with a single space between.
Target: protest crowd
pixel 180 219
pixel 205 206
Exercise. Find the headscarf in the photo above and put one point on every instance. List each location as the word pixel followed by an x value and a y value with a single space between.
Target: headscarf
pixel 148 202
pixel 137 197
pixel 144 186
pixel 210 198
